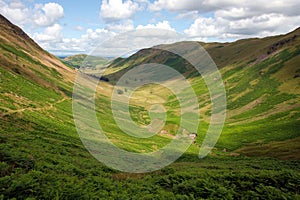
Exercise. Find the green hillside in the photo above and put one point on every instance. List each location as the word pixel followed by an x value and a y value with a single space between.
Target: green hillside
pixel 262 84
pixel 85 61
pixel 42 156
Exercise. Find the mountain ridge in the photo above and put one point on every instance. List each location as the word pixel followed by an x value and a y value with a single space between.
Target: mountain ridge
pixel 223 54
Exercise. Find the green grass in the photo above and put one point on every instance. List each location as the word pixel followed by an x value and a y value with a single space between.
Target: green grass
pixel 48 166
pixel 18 53
pixel 16 85
pixel 42 156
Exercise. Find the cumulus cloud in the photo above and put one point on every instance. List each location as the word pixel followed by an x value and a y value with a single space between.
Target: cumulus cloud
pixel 160 25
pixel 42 15
pixel 98 35
pixel 234 19
pixel 48 14
pixel 15 11
pixel 204 27
pixel 115 10
pixel 50 37
pixel 235 13
pixel 287 7
pixel 262 25
pixel 51 33
pixel 67 46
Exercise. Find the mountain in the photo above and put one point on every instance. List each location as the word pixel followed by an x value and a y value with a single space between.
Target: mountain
pixel 246 51
pixel 77 61
pixel 42 156
pixel 262 84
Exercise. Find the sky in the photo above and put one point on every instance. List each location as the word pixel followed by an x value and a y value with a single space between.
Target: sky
pixel 66 27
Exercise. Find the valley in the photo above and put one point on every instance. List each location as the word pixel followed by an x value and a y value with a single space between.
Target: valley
pixel 256 156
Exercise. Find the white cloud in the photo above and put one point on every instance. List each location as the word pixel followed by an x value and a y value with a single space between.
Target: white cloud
pixel 231 10
pixel 42 15
pixel 98 35
pixel 15 11
pixel 48 15
pixel 262 25
pixel 115 10
pixel 272 23
pixel 160 25
pixel 88 41
pixel 287 7
pixel 204 27
pixel 230 20
pixel 50 37
pixel 235 13
pixel 50 34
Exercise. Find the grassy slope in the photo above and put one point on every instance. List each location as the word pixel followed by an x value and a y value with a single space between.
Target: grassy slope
pixel 261 107
pixel 41 154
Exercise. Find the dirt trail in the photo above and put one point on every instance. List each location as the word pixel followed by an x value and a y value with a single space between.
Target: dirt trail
pixel 48 107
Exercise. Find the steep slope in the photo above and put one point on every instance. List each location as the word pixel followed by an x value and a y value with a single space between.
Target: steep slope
pixel 263 87
pixel 21 55
pixel 30 77
pixel 38 139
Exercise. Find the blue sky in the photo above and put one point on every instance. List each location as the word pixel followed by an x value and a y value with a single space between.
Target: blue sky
pixel 69 27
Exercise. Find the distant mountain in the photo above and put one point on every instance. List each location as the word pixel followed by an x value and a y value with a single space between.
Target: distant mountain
pixel 85 61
